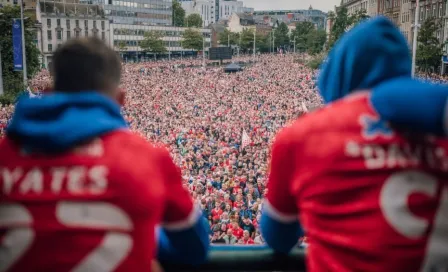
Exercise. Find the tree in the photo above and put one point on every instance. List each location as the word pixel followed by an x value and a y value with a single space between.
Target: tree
pixel 358 17
pixel 301 35
pixel 342 22
pixel 178 14
pixel 263 43
pixel 228 38
pixel 282 35
pixel 193 20
pixel 247 39
pixel 429 49
pixel 315 41
pixel 12 80
pixel 192 39
pixel 153 42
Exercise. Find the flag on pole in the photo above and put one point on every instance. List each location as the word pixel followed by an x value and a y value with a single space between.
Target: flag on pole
pixel 245 140
pixel 304 108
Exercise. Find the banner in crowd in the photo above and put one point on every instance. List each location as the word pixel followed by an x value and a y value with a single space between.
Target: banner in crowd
pixel 17 44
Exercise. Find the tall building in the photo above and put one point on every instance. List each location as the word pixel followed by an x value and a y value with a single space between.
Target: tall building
pixel 315 16
pixel 212 11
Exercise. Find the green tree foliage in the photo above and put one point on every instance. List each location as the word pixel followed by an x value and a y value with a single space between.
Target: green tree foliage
pixel 192 39
pixel 282 35
pixel 315 41
pixel 263 43
pixel 343 22
pixel 301 35
pixel 247 39
pixel 308 38
pixel 178 14
pixel 153 42
pixel 193 20
pixel 358 16
pixel 226 37
pixel 429 49
pixel 13 81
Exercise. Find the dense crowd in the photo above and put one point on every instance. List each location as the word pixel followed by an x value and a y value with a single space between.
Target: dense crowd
pixel 202 114
pixel 434 78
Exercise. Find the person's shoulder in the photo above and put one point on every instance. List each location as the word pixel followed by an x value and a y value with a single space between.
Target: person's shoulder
pixel 334 116
pixel 125 142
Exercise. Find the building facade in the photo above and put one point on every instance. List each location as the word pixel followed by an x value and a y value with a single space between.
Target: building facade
pixel 212 11
pixel 354 6
pixel 60 21
pixel 126 39
pixel 139 12
pixel 318 17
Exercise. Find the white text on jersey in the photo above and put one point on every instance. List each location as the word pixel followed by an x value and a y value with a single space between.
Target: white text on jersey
pixel 74 180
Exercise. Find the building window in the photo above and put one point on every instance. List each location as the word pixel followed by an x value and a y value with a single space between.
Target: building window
pixel 103 36
pixel 440 10
pixel 59 34
pixel 69 34
pixel 86 24
pixel 67 22
pixel 95 34
pixel 103 25
pixel 48 23
pixel 50 47
pixel 433 10
pixel 58 22
pixel 77 34
pixel 77 23
pixel 94 24
pixel 49 36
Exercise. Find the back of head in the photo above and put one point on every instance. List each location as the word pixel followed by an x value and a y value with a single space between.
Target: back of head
pixel 86 64
pixel 371 53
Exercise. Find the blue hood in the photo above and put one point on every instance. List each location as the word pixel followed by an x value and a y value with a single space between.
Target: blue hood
pixel 57 122
pixel 373 52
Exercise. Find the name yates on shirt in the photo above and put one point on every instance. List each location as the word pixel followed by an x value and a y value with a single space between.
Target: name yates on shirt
pixel 74 180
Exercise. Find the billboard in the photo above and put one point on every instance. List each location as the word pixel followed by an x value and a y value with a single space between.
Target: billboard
pixel 220 53
pixel 17 45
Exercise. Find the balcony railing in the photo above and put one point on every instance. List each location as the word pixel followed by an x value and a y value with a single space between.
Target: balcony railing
pixel 247 259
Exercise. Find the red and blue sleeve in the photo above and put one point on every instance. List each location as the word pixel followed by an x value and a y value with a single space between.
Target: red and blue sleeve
pixel 183 236
pixel 279 222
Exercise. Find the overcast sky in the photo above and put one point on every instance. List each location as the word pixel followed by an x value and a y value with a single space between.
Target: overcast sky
pixel 324 5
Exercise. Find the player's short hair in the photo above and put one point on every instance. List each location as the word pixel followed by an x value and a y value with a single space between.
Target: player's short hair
pixel 85 64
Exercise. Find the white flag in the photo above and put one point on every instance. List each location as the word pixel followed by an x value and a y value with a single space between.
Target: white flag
pixel 245 140
pixel 304 108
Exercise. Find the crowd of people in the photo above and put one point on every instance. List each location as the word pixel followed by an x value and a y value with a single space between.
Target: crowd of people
pixel 201 115
pixel 218 127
